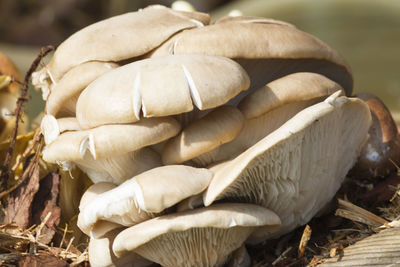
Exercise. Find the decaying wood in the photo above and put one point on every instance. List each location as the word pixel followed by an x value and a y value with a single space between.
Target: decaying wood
pixel 382 249
pixel 355 213
pixel 304 240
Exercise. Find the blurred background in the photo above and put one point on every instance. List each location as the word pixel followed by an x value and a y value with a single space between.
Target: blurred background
pixel 365 32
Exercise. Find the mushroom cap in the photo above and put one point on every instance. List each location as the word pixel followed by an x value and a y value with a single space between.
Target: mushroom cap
pixel 51 127
pixel 291 88
pixel 219 126
pixel 8 68
pixel 101 254
pixel 383 146
pixel 267 108
pixel 266 51
pixel 150 192
pixel 121 95
pixel 298 168
pixel 73 82
pixel 107 140
pixel 124 33
pixel 199 237
pixel 119 168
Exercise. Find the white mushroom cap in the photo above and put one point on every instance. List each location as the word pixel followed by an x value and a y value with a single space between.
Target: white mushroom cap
pixel 108 140
pixel 267 108
pixel 219 126
pixel 51 127
pixel 124 33
pixel 266 50
pixel 73 82
pixel 150 192
pixel 298 168
pixel 200 237
pixel 101 254
pixel 119 168
pixel 160 87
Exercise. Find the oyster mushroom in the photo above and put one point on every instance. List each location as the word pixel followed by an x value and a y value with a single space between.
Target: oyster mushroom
pixel 122 34
pixel 65 93
pixel 219 126
pixel 200 237
pixel 140 198
pixel 109 153
pixel 266 49
pixel 297 169
pixel 182 82
pixel 267 108
pixel 101 254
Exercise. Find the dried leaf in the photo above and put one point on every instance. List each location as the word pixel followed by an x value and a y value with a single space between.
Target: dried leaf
pixel 41 260
pixel 45 202
pixel 20 201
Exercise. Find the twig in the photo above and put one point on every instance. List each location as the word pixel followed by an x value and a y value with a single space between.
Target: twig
pixel 18 113
pixel 304 240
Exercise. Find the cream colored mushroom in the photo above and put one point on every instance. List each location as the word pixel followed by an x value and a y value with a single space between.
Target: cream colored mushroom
pixel 219 126
pixel 269 107
pixel 146 194
pixel 298 168
pixel 71 85
pixel 266 49
pixel 101 254
pixel 124 33
pixel 112 148
pixel 200 237
pixel 160 87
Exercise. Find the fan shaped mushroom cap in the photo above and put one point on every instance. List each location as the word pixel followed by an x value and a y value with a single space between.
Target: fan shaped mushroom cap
pixel 260 46
pixel 106 140
pixel 119 168
pixel 298 168
pixel 219 126
pixel 121 95
pixel 271 106
pixel 101 254
pixel 200 237
pixel 124 33
pixel 51 127
pixel 150 192
pixel 73 82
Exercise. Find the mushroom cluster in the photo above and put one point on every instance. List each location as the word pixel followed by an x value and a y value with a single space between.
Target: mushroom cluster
pixel 198 137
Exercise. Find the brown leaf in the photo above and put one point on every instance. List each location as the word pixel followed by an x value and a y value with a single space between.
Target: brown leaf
pixel 20 200
pixel 41 260
pixel 44 202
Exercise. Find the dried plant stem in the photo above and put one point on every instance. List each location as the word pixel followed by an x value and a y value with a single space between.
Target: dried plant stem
pixel 5 172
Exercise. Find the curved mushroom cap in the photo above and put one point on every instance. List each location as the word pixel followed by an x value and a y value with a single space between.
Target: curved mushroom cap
pixel 216 128
pixel 101 254
pixel 291 88
pixel 121 167
pixel 150 192
pixel 251 19
pixel 200 237
pixel 159 87
pixel 298 168
pixel 383 146
pixel 269 107
pixel 267 51
pixel 124 33
pixel 73 82
pixel 52 127
pixel 108 140
pixel 8 68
